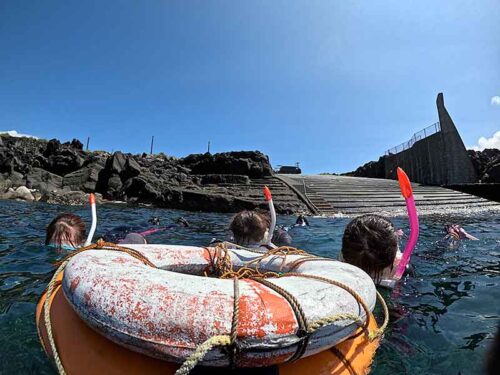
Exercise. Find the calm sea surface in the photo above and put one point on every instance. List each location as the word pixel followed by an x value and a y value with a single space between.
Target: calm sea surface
pixel 442 319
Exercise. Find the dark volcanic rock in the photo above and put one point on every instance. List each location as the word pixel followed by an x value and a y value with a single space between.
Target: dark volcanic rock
pixel 62 159
pixel 205 201
pixel 224 179
pixel 63 173
pixel 19 154
pixel 84 179
pixel 116 163
pixel 69 198
pixel 250 163
pixel 43 180
pixel 141 189
pixel 487 164
pixel 372 169
pixel 492 173
pixel 118 169
pixel 76 144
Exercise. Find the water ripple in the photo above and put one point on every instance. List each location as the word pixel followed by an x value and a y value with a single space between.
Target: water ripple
pixel 441 319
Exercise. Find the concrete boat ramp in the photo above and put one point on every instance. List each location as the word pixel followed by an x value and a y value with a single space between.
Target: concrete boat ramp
pixel 336 195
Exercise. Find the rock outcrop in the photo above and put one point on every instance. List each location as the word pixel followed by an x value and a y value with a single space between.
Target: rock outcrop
pixel 64 173
pixel 486 164
pixel 372 169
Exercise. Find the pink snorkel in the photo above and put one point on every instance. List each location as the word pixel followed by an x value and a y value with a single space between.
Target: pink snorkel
pixel 406 191
pixel 272 211
pixel 151 231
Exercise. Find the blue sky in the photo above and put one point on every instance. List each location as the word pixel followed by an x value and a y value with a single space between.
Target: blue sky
pixel 331 84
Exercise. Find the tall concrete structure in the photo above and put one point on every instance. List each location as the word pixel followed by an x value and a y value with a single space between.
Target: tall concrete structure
pixel 436 159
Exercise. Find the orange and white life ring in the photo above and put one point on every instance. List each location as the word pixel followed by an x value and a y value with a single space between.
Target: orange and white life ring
pixel 168 311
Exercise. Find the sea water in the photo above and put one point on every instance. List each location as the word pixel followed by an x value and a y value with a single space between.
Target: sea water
pixel 442 319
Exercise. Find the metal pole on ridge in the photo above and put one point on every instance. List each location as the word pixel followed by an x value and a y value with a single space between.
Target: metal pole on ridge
pixel 152 141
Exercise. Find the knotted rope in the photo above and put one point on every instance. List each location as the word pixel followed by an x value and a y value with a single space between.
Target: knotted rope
pixel 223 267
pixel 54 282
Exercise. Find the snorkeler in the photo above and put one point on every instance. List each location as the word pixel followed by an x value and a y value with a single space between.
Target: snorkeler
pixel 133 238
pixel 456 232
pixel 117 234
pixel 301 221
pixel 281 237
pixel 155 220
pixel 66 231
pixel 250 228
pixel 370 242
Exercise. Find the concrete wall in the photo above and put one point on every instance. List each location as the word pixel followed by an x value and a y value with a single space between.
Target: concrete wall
pixel 440 159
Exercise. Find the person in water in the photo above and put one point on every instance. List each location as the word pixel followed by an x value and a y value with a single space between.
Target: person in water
pixel 370 242
pixel 301 221
pixel 118 234
pixel 155 220
pixel 250 228
pixel 133 239
pixel 66 231
pixel 281 237
pixel 456 233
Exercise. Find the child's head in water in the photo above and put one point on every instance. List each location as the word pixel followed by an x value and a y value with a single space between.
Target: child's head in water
pixel 370 243
pixel 66 230
pixel 249 227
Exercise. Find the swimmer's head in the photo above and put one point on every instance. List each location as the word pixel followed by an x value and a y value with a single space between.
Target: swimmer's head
pixel 133 239
pixel 66 230
pixel 281 238
pixel 370 243
pixel 155 220
pixel 182 221
pixel 457 232
pixel 249 227
pixel 302 220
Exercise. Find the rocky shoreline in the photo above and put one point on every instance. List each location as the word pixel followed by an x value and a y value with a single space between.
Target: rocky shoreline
pixel 486 163
pixel 63 173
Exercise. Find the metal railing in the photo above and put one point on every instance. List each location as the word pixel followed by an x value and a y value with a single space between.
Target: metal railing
pixel 424 133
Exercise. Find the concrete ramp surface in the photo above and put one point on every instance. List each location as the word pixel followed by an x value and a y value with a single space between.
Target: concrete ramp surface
pixel 333 195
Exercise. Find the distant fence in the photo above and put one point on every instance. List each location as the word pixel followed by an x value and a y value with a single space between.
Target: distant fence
pixel 424 133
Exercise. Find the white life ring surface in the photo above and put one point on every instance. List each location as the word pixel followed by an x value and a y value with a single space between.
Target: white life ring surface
pixel 166 312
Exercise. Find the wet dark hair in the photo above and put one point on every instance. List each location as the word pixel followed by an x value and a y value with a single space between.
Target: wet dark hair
pixel 370 243
pixel 249 227
pixel 281 238
pixel 66 229
pixel 182 221
pixel 302 220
